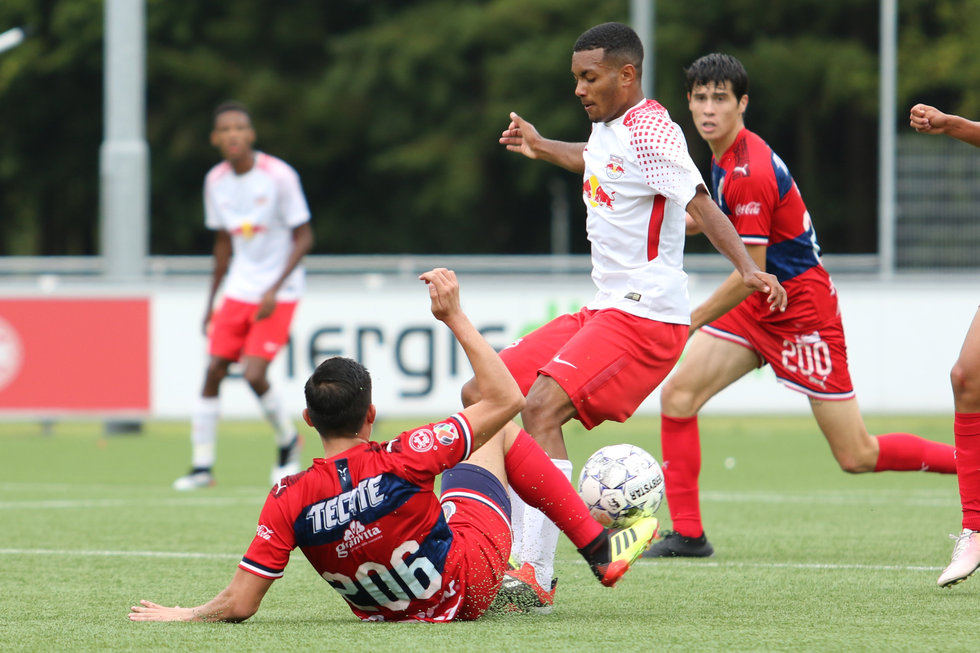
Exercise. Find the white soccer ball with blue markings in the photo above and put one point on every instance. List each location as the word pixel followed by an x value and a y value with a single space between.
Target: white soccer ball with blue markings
pixel 621 483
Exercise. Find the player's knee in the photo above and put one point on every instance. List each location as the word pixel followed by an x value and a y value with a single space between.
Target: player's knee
pixel 677 402
pixel 857 462
pixel 966 386
pixel 255 378
pixel 216 372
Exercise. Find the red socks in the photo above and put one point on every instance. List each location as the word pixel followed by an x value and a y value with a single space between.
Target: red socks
pixel 966 429
pixel 542 485
pixel 681 448
pixel 902 452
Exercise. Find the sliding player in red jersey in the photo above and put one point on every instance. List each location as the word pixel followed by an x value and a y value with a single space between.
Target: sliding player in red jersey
pixel 736 333
pixel 367 520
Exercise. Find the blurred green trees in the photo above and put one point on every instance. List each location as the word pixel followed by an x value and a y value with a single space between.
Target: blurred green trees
pixel 390 110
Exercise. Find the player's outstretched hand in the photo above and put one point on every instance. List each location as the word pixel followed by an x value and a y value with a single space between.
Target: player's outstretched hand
pixel 521 136
pixel 768 284
pixel 150 611
pixel 927 120
pixel 444 293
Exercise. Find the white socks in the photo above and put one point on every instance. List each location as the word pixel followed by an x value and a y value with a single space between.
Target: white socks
pixel 277 415
pixel 538 537
pixel 204 432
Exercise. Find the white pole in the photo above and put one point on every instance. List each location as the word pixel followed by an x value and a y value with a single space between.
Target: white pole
pixel 642 20
pixel 886 140
pixel 124 155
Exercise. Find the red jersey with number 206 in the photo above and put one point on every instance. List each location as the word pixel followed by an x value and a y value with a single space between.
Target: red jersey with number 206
pixel 370 524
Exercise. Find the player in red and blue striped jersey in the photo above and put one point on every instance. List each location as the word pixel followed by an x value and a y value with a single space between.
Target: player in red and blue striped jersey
pixel 365 515
pixel 734 333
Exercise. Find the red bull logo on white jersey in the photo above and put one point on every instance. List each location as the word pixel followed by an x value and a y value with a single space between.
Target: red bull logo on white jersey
pixel 596 195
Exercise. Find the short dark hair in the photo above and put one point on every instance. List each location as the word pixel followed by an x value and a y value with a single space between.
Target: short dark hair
pixel 718 68
pixel 338 396
pixel 231 105
pixel 619 41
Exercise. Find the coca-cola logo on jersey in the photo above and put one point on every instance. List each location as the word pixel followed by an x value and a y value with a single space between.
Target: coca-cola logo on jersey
pixel 749 208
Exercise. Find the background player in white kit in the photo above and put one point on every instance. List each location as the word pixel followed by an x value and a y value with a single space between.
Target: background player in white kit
pixel 255 204
pixel 602 362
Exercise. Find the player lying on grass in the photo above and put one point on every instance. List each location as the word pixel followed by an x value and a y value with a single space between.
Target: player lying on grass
pixel 736 332
pixel 365 515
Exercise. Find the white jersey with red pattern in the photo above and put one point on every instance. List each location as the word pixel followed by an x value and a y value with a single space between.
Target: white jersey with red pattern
pixel 370 524
pixel 259 209
pixel 639 178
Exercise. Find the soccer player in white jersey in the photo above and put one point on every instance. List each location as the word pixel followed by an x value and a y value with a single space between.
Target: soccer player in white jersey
pixel 965 377
pixel 600 363
pixel 255 205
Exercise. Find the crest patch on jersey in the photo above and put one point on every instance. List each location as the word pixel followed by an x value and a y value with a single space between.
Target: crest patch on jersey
pixel 421 440
pixel 446 433
pixel 614 168
pixel 448 509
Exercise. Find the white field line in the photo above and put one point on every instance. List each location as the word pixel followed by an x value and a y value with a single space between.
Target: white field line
pixel 76 504
pixel 683 563
pixel 118 554
pixel 255 497
pixel 925 498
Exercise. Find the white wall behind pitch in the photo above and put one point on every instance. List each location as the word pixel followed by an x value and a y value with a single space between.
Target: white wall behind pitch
pixel 903 336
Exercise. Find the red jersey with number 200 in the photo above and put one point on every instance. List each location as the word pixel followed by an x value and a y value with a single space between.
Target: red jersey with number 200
pixel 755 189
pixel 370 524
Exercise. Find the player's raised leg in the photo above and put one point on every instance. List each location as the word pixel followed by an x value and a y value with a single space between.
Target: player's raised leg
pixel 857 451
pixel 609 552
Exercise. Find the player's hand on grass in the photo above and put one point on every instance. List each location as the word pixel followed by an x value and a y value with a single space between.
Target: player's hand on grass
pixel 443 292
pixel 150 611
pixel 768 284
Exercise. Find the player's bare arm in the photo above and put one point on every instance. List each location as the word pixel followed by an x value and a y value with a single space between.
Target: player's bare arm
pixel 500 396
pixel 930 120
pixel 719 230
pixel 521 136
pixel 728 295
pixel 237 602
pixel 302 244
pixel 691 227
pixel 222 258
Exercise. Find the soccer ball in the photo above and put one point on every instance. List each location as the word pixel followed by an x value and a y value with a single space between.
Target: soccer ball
pixel 620 484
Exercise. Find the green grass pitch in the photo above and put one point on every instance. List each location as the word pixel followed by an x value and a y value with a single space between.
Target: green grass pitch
pixel 808 558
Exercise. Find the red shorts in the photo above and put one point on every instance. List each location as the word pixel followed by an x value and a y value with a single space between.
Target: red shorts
pixel 807 358
pixel 477 509
pixel 607 361
pixel 234 330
